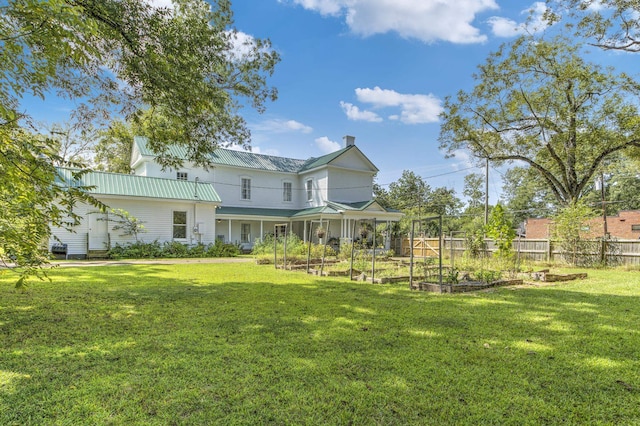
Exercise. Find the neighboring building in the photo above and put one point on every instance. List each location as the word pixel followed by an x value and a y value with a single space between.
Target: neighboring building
pixel 241 198
pixel 624 226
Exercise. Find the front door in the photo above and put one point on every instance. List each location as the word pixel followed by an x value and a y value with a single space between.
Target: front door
pixel 98 231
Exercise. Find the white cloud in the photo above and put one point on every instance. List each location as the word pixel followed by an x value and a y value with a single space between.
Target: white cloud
pixel 424 20
pixel 160 3
pixel 595 5
pixel 326 145
pixel 284 126
pixel 414 108
pixel 354 113
pixel 464 160
pixel 535 22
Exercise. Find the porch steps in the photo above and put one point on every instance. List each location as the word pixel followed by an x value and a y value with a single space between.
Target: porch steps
pixel 97 254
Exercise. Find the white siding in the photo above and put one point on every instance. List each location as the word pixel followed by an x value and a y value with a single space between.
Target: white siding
pixel 320 184
pixel 350 186
pixel 266 188
pixel 353 160
pixel 157 216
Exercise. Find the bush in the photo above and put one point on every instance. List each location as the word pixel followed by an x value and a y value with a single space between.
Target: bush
pixel 297 250
pixel 171 249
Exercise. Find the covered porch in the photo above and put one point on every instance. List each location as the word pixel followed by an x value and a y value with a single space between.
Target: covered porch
pixel 341 222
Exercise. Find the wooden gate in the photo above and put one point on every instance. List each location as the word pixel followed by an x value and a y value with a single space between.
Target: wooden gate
pixel 422 247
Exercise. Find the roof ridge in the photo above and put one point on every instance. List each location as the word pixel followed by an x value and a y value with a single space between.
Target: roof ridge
pixel 131 175
pixel 301 164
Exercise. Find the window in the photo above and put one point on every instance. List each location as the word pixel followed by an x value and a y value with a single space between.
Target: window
pixel 286 192
pixel 281 230
pixel 635 227
pixel 245 233
pixel 181 175
pixel 246 189
pixel 309 187
pixel 179 225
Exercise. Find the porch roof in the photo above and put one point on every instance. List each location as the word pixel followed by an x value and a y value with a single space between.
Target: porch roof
pixel 331 207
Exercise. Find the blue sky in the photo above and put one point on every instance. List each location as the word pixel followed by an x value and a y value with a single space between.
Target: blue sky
pixel 377 70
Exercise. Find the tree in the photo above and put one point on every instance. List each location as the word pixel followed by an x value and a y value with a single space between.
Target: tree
pixel 621 186
pixel 381 195
pixel 539 102
pixel 525 195
pixel 113 148
pixel 186 66
pixel 123 221
pixel 71 143
pixel 473 189
pixel 30 202
pixel 409 192
pixel 608 24
pixel 500 230
pixel 569 228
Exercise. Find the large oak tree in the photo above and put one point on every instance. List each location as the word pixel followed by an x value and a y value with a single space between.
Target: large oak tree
pixel 539 102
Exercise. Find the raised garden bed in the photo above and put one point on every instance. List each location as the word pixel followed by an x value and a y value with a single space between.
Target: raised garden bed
pixel 462 287
pixel 546 276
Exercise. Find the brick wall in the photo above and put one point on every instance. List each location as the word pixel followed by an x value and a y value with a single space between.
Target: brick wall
pixel 537 228
pixel 620 226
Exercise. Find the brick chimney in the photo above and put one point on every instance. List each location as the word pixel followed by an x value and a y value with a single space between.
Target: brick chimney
pixel 349 140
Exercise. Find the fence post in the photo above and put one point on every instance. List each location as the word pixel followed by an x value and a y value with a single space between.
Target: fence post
pixel 549 251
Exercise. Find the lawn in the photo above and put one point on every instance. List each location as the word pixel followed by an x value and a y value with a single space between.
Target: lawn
pixel 247 344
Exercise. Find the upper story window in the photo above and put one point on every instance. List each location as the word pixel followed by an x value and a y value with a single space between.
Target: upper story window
pixel 181 175
pixel 245 192
pixel 635 227
pixel 309 187
pixel 179 225
pixel 286 192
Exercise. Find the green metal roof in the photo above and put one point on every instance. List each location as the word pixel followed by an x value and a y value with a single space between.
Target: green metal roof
pixel 229 157
pixel 248 211
pixel 332 207
pixel 139 186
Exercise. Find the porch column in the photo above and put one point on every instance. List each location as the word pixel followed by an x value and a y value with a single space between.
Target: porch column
pixel 230 231
pixel 261 229
pixel 304 232
pixel 214 225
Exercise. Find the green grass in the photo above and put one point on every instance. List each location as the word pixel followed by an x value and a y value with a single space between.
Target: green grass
pixel 246 344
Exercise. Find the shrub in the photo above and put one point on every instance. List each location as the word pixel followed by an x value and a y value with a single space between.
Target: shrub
pixel 171 249
pixel 297 250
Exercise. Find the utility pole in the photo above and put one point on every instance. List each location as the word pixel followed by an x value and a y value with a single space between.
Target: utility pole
pixel 604 204
pixel 486 193
pixel 603 248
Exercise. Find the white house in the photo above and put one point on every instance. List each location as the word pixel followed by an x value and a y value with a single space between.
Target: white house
pixel 242 197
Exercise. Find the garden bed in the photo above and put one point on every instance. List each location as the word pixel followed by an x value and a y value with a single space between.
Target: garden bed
pixel 546 276
pixel 462 287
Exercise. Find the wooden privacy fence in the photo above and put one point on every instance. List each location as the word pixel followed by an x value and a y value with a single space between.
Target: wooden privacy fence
pixel 627 252
pixel 422 247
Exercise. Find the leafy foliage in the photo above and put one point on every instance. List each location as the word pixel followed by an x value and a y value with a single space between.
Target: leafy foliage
pixel 569 227
pixel 172 249
pixel 30 201
pixel 500 230
pixel 129 225
pixel 538 101
pixel 297 250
